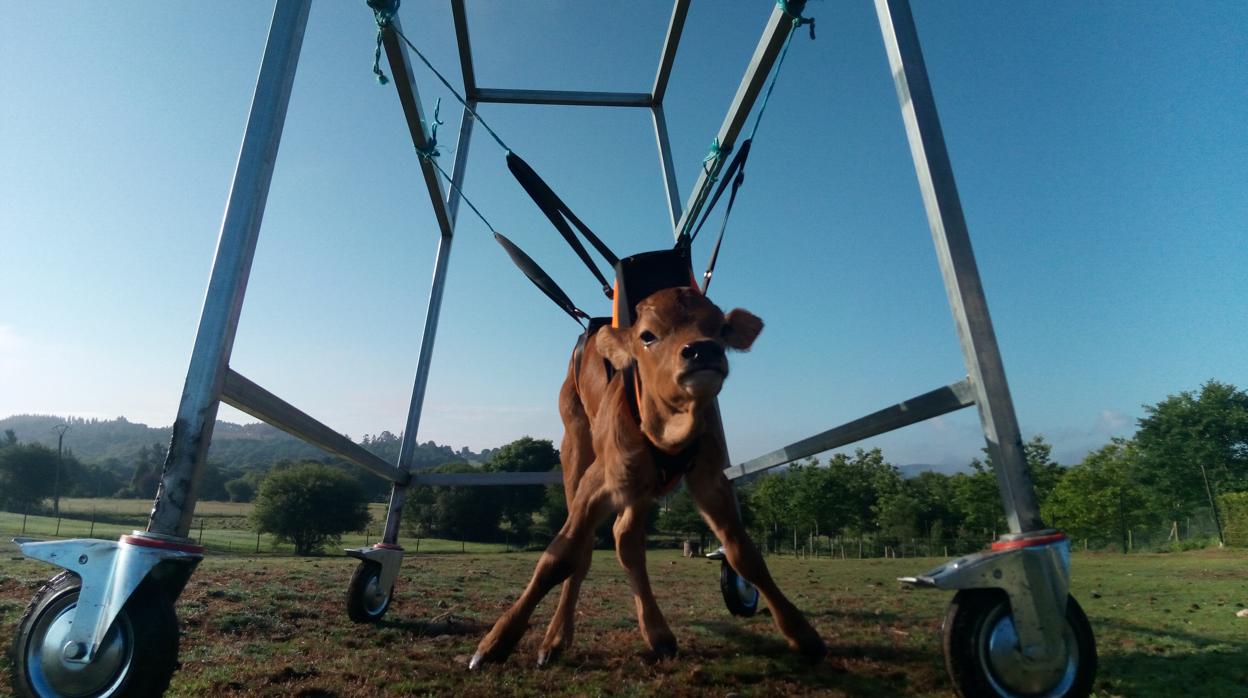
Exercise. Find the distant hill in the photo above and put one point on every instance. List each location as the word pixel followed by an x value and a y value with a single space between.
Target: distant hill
pixel 913 469
pixel 234 446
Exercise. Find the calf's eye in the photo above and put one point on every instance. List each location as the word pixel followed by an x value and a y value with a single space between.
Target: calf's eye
pixel 648 338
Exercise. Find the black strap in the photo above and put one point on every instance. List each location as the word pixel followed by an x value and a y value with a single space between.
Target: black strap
pixel 560 215
pixel 737 167
pixel 540 278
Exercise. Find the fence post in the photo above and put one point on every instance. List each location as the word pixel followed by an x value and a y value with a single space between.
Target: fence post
pixel 1130 540
pixel 257 541
pixel 201 532
pixel 25 511
pixel 92 533
pixel 58 524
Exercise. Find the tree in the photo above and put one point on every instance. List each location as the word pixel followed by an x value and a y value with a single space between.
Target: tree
pixel 517 505
pixel 464 513
pixel 979 496
pixel 681 517
pixel 309 505
pixel 241 489
pixel 1195 446
pixel 1102 498
pixel 26 475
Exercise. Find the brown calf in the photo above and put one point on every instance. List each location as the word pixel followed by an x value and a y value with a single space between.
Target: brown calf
pixel 626 438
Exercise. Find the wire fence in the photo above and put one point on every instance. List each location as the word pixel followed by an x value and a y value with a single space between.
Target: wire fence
pixel 218 534
pixel 226 529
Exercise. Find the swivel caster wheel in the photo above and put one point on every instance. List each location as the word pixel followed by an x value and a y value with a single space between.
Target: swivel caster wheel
pixel 367 601
pixel 740 596
pixel 136 658
pixel 982 656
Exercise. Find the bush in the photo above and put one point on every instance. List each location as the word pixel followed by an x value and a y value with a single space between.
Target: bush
pixel 1234 506
pixel 309 505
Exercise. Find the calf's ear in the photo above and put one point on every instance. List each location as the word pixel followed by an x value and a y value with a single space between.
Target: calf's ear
pixel 741 328
pixel 612 343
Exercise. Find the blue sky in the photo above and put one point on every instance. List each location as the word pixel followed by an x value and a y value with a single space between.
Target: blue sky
pixel 1099 150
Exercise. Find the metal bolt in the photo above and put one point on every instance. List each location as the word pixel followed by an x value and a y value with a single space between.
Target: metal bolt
pixel 74 650
pixel 82 559
pixel 996 574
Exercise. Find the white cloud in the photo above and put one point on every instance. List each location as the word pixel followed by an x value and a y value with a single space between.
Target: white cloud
pixel 1112 422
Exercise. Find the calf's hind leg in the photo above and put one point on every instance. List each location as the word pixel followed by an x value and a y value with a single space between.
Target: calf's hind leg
pixel 713 494
pixel 567 553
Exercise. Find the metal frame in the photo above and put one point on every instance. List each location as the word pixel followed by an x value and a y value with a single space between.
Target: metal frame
pixel 210 379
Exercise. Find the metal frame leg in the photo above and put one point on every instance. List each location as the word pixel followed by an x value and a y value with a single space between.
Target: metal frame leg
pixel 957 265
pixel 398 493
pixel 111 571
pixel 218 323
pixel 1035 577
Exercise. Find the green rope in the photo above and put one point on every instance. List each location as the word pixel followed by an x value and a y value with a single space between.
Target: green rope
pixel 383 12
pixel 710 165
pixel 715 157
pixel 431 146
pixel 383 17
pixel 798 21
pixel 429 158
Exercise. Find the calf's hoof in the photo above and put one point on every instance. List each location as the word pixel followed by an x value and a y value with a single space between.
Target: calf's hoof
pixel 495 655
pixel 664 648
pixel 813 649
pixel 548 655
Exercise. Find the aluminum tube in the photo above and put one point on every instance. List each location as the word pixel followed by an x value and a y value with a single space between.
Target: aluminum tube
pixel 778 27
pixel 680 10
pixel 931 404
pixel 409 97
pixel 670 186
pixel 573 98
pixel 236 246
pixel 484 479
pixel 241 393
pixel 465 47
pixel 957 265
pixel 407 447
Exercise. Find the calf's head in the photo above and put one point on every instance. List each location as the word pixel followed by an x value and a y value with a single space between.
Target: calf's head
pixel 678 343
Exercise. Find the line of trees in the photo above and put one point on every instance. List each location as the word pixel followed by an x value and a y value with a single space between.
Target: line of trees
pixel 1188 458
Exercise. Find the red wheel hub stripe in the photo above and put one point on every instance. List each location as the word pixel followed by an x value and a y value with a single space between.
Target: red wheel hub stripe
pixel 1028 542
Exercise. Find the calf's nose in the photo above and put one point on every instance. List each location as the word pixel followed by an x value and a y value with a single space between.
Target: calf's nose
pixel 705 350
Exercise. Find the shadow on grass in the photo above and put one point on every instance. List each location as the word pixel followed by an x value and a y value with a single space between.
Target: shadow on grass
pixel 892 667
pixel 1209 666
pixel 445 624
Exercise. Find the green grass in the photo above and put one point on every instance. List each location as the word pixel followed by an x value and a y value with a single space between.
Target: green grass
pixel 251 625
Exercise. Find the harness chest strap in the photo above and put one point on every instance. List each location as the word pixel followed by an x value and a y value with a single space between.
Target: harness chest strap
pixel 671 466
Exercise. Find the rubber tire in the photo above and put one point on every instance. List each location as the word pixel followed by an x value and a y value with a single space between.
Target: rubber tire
pixel 147 622
pixel 357 592
pixel 728 580
pixel 961 636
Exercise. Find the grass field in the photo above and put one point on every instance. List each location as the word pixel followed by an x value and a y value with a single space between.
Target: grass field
pixel 275 626
pixel 221 527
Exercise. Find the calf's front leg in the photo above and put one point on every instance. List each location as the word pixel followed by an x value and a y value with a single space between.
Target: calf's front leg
pixel 566 554
pixel 630 547
pixel 713 494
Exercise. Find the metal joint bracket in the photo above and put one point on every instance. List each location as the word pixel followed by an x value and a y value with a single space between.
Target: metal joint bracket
pixel 1036 578
pixel 390 557
pixel 110 572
